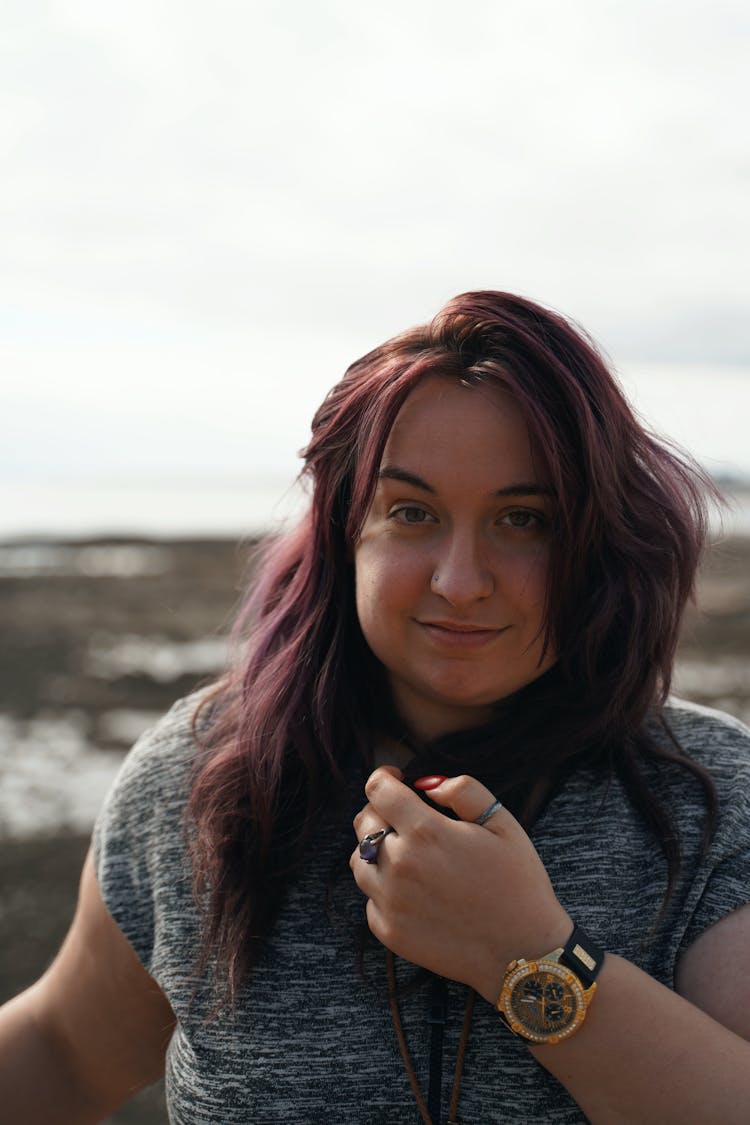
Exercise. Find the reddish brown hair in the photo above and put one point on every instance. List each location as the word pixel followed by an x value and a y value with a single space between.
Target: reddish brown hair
pixel 629 525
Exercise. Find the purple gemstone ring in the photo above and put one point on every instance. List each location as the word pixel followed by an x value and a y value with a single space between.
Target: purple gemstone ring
pixel 369 845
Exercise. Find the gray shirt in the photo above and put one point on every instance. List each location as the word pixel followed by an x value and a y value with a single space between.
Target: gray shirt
pixel 311 1040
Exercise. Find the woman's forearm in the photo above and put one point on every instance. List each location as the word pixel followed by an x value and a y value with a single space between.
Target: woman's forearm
pixel 646 1056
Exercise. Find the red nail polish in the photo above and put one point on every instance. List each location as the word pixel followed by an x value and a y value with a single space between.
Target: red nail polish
pixel 430 782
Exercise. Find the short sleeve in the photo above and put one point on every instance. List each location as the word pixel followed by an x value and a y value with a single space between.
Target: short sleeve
pixel 721 883
pixel 138 841
pixel 724 893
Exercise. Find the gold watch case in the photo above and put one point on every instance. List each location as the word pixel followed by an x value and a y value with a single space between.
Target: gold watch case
pixel 542 1000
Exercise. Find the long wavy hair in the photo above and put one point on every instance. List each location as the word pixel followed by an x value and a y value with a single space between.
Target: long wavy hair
pixel 629 524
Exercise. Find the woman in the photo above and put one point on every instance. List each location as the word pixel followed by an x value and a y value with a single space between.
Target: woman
pixel 466 645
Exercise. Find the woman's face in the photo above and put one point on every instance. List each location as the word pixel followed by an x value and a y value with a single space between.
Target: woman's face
pixel 452 561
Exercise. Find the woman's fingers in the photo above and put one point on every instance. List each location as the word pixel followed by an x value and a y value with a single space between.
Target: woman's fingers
pixel 393 805
pixel 368 820
pixel 369 823
pixel 469 800
pixel 392 802
pixel 396 804
pixel 399 806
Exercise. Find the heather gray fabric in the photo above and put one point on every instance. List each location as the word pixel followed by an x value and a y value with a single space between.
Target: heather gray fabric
pixel 312 1041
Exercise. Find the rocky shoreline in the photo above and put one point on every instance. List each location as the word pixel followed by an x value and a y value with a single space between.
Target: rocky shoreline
pixel 100 637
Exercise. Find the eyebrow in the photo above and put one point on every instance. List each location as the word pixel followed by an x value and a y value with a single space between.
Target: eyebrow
pixel 518 488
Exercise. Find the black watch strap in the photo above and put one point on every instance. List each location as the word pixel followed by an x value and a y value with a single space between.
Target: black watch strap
pixel 583 956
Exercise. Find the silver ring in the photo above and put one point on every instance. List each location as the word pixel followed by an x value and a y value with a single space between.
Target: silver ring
pixel 369 845
pixel 485 816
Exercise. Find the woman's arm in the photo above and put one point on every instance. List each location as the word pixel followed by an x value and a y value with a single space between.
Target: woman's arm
pixel 90 1033
pixel 711 973
pixel 647 1055
pixel 464 901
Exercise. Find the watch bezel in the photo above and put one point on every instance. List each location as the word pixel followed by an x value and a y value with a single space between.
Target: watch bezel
pixel 525 969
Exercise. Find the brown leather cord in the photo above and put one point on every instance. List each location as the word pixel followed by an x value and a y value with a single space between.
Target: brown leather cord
pixel 408 1064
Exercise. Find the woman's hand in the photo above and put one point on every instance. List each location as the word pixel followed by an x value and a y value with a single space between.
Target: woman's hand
pixel 458 899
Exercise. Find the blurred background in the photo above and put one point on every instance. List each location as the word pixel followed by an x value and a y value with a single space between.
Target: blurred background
pixel 207 211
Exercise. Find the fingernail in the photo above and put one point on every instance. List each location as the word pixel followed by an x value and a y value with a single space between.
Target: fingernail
pixel 430 782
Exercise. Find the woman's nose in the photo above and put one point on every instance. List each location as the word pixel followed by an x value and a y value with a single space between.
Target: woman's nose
pixel 461 575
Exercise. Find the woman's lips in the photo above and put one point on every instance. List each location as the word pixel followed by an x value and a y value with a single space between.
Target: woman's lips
pixel 460 635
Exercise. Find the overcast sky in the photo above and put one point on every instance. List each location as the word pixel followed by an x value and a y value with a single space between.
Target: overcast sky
pixel 208 210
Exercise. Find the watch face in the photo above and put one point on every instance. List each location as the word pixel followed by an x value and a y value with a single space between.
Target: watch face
pixel 543 1001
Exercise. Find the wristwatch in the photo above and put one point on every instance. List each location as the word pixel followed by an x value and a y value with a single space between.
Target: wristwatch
pixel 545 1000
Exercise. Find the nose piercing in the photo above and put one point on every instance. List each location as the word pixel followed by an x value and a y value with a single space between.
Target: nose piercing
pixel 435 577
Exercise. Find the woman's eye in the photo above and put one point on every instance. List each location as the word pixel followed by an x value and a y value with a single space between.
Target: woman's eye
pixel 412 515
pixel 523 519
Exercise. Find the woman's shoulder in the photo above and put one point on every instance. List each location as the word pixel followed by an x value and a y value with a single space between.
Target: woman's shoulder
pixel 155 774
pixel 139 847
pixel 720 744
pixel 719 741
